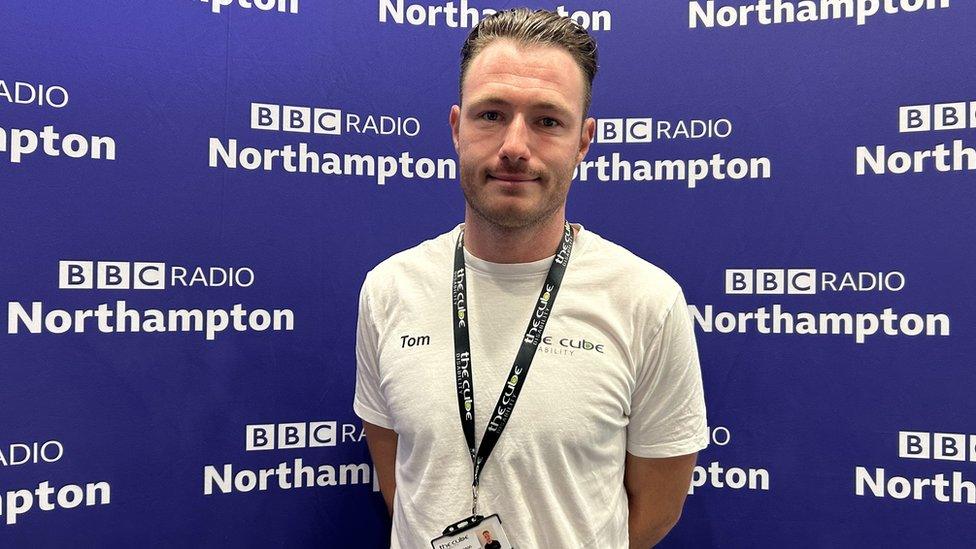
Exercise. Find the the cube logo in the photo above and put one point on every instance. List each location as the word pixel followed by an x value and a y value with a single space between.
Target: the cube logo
pixel 288 436
pixel 938 117
pixel 111 275
pixel 940 446
pixel 624 130
pixel 770 281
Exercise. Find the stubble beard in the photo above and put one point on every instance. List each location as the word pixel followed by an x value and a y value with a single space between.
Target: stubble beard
pixel 474 186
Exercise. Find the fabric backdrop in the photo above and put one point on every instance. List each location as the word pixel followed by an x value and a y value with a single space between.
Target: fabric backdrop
pixel 193 191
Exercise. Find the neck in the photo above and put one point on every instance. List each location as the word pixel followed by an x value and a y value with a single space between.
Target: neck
pixel 488 241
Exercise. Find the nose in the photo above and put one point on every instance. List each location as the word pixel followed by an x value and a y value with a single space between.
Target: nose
pixel 515 146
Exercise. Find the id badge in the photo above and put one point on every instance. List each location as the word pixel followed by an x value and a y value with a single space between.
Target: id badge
pixel 474 533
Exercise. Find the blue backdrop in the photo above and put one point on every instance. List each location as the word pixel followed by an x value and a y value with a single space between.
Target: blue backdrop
pixel 221 174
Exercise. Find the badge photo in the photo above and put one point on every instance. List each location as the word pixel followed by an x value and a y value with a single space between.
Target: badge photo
pixel 474 533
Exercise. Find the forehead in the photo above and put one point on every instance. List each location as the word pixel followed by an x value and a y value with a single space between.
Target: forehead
pixel 530 73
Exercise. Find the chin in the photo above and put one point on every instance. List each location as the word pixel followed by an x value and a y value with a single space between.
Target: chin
pixel 505 209
pixel 512 217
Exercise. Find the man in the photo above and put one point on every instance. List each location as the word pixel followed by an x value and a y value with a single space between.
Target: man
pixel 593 446
pixel 488 542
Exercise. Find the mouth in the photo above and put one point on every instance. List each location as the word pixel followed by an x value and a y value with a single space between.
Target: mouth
pixel 512 179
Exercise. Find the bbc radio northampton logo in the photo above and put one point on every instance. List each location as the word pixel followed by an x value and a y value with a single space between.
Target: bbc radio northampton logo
pixel 51 141
pixel 774 318
pixel 293 473
pixel 946 448
pixel 920 119
pixel 115 277
pixel 48 495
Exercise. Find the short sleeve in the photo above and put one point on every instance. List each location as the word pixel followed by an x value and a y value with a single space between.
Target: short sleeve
pixel 368 403
pixel 668 405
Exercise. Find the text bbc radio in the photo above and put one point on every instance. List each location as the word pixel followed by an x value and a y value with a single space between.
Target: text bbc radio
pixel 809 281
pixel 144 275
pixel 290 118
pixel 26 93
pixel 290 436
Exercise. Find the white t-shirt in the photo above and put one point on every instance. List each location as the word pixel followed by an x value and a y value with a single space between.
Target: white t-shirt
pixel 617 372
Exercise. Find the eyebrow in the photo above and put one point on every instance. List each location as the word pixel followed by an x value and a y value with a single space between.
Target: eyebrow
pixel 493 100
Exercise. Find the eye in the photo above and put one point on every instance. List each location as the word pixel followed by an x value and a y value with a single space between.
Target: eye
pixel 491 116
pixel 550 122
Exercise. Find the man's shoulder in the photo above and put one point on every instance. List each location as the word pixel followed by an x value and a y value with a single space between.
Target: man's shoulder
pixel 630 273
pixel 417 262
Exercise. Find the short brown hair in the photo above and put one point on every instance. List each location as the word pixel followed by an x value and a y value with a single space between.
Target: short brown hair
pixel 539 27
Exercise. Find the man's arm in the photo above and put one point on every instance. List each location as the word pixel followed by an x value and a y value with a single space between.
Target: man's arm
pixel 382 444
pixel 656 492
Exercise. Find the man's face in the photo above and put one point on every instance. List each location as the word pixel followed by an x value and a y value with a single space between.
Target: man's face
pixel 519 132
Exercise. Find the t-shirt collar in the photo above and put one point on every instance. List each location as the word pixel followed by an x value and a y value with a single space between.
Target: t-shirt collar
pixel 531 268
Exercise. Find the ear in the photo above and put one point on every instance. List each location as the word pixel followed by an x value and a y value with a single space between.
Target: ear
pixel 455 119
pixel 586 137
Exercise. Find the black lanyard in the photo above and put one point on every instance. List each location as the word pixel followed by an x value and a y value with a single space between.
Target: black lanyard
pixel 523 360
